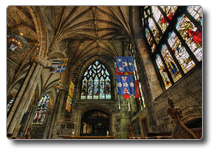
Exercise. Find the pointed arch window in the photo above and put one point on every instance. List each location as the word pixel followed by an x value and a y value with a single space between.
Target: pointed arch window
pixel 41 110
pixel 96 83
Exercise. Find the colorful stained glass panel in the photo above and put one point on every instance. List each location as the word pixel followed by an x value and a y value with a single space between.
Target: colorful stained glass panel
pixel 95 82
pixel 191 35
pixel 159 18
pixel 180 53
pixel 196 12
pixel 170 63
pixel 163 72
pixel 154 30
pixel 150 40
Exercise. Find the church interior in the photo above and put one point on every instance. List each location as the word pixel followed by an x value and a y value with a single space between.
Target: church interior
pixel 69 75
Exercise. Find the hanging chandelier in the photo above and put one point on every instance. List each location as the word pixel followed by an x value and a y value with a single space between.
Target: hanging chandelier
pixel 16 41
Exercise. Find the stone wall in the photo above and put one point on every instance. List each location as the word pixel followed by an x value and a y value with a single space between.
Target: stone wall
pixel 186 94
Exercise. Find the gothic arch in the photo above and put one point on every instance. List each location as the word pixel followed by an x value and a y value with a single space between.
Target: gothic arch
pixel 41 30
pixel 90 107
pixel 111 69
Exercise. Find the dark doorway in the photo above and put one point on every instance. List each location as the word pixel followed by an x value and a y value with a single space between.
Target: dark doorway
pixel 94 123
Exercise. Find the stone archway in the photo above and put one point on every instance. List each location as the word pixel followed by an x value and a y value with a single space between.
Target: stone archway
pixel 82 108
pixel 94 123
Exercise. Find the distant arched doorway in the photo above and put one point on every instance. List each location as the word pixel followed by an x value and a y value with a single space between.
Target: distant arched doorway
pixel 94 123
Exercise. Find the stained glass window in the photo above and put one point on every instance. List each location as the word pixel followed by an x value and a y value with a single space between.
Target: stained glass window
pixel 196 12
pixel 173 69
pixel 191 35
pixel 150 40
pixel 10 104
pixel 180 53
pixel 96 82
pixel 41 110
pixel 174 34
pixel 154 30
pixel 163 72
pixel 159 18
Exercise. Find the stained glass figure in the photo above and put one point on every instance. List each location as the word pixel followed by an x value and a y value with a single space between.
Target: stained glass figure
pixel 180 53
pixel 196 12
pixel 154 30
pixel 84 86
pixel 150 40
pixel 90 87
pixel 102 88
pixel 172 67
pixel 191 35
pixel 163 72
pixel 96 80
pixel 41 110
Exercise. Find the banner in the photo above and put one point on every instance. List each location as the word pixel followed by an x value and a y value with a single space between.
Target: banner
pixel 125 84
pixel 68 104
pixel 58 65
pixel 125 64
pixel 122 73
pixel 71 90
pixel 137 95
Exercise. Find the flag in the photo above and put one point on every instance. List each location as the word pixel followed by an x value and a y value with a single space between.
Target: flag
pixel 125 64
pixel 71 89
pixel 137 95
pixel 58 65
pixel 125 84
pixel 122 73
pixel 118 104
pixel 68 104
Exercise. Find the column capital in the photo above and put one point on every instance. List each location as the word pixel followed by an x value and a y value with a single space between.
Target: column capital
pixel 39 60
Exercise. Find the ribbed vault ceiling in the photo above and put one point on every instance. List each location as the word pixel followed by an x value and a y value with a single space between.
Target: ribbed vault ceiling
pixel 85 31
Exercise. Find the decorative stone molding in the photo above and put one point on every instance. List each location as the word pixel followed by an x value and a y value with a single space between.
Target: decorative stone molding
pixel 39 60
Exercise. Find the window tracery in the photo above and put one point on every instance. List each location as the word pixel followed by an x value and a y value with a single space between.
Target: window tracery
pixel 96 83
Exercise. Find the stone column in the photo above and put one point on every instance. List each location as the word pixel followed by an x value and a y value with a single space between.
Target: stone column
pixel 58 112
pixel 26 96
pixel 150 74
pixel 30 118
pixel 19 96
pixel 54 115
pixel 48 121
